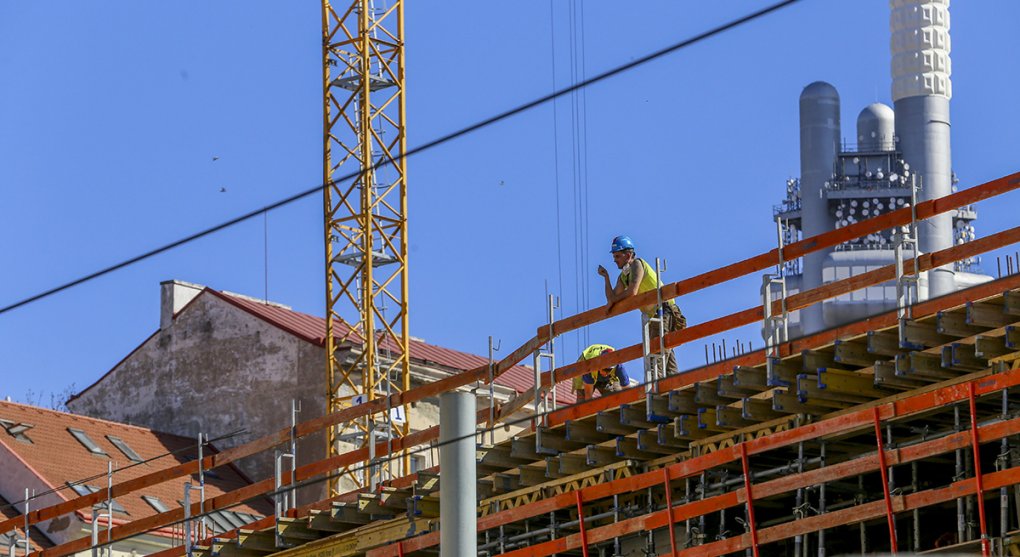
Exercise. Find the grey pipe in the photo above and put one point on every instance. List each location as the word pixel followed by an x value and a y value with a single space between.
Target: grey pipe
pixel 819 144
pixel 457 506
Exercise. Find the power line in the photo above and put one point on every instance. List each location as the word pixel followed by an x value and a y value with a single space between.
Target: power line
pixel 415 150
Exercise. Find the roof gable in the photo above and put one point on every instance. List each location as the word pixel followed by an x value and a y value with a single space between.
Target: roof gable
pixel 313 329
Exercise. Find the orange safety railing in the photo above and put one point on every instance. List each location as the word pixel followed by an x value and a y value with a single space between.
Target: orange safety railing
pixel 855 421
pixel 547 332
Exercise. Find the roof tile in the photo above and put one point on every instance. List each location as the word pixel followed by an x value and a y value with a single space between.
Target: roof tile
pixel 59 458
pixel 313 329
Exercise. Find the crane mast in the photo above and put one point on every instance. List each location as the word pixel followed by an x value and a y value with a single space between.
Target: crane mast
pixel 367 337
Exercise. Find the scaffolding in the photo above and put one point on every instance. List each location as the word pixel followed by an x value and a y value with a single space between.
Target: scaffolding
pixel 895 433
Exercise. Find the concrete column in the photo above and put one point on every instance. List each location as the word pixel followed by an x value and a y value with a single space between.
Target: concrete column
pixel 458 489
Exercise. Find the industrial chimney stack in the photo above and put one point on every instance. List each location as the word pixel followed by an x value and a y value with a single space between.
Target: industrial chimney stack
pixel 921 89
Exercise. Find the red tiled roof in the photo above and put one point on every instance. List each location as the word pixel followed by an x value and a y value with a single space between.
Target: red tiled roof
pixel 313 329
pixel 57 457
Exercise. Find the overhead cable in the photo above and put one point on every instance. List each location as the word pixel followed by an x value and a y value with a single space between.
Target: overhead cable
pixel 415 150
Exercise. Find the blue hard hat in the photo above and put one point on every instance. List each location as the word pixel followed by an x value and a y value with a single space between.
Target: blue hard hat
pixel 621 243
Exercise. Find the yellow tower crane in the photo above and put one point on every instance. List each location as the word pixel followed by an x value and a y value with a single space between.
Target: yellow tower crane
pixel 367 338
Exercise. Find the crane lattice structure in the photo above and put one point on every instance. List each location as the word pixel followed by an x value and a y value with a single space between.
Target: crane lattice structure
pixel 366 224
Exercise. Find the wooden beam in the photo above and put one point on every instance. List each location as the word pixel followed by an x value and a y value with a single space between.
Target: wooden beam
pixel 706 394
pixel 295 530
pixel 784 401
pixel 686 427
pixel 812 360
pixel 682 402
pixel 988 314
pixel 954 323
pixel 584 432
pixel 784 373
pixel 554 441
pixel 1011 302
pixel 884 343
pixel 988 347
pixel 886 376
pixel 634 416
pixel 758 410
pixel 726 388
pixel 600 455
pixel 609 422
pixel 921 334
pixel 922 365
pixel 962 356
pixel 853 352
pixel 730 417
pixel 750 378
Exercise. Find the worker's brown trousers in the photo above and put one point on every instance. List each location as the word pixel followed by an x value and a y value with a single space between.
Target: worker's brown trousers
pixel 672 320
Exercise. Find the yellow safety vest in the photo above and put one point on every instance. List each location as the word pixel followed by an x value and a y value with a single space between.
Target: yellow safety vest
pixel 589 353
pixel 649 282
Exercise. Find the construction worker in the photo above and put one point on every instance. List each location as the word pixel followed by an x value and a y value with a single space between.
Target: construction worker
pixel 638 277
pixel 605 381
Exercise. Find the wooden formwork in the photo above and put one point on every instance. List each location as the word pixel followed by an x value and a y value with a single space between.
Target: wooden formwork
pixel 708 416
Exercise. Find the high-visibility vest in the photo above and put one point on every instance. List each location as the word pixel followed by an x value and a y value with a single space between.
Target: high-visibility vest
pixel 592 351
pixel 648 282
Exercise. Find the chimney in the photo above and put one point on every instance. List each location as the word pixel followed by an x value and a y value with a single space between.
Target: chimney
pixel 174 295
pixel 921 89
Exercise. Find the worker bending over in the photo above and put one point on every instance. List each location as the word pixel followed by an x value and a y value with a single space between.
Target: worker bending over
pixel 605 381
pixel 638 277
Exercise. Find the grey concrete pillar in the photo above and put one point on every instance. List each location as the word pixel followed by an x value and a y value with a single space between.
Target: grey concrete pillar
pixel 819 143
pixel 458 489
pixel 921 89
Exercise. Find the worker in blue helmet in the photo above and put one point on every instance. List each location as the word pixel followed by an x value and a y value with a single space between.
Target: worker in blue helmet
pixel 605 380
pixel 638 277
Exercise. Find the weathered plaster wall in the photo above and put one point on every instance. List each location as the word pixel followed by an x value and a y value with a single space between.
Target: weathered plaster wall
pixel 15 477
pixel 214 370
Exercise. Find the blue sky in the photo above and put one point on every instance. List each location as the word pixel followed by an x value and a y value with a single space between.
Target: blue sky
pixel 111 114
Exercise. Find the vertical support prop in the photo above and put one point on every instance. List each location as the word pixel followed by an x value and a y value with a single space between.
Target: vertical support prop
pixel 543 405
pixel 554 304
pixel 748 496
pixel 201 490
pixel 669 511
pixel 907 286
pixel 580 523
pixel 492 393
pixel 775 329
pixel 26 540
pixel 978 477
pixel 885 483
pixel 281 498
